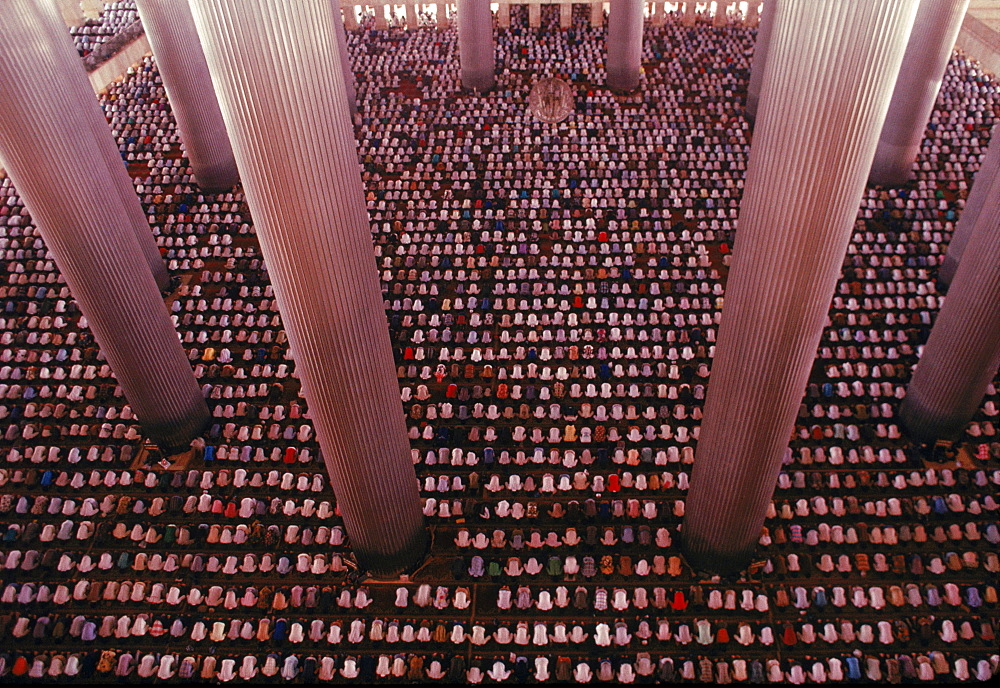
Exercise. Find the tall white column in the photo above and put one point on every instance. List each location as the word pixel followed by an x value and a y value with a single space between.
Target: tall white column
pixel 91 115
pixel 689 13
pixel 624 45
pixel 827 87
pixel 534 15
pixel 565 15
pixel 60 173
pixel 962 354
pixel 934 32
pixel 596 14
pixel 179 57
pixel 987 177
pixel 345 58
pixel 475 44
pixel 759 63
pixel 307 200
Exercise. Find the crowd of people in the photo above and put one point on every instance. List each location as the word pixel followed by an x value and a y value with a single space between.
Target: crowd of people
pixel 553 292
pixel 113 18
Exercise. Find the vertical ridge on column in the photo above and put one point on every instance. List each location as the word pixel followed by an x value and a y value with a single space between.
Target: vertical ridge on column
pixel 475 44
pixel 987 176
pixel 59 171
pixel 181 63
pixel 827 86
pixel 625 45
pixel 962 354
pixel 934 32
pixel 273 71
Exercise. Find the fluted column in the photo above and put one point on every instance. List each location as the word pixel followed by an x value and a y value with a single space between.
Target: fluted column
pixel 689 13
pixel 534 15
pixel 759 63
pixel 624 45
pixel 307 200
pixel 345 58
pixel 475 44
pixel 181 62
pixel 60 172
pixel 596 14
pixel 987 177
pixel 91 115
pixel 503 16
pixel 962 354
pixel 565 15
pixel 827 87
pixel 934 32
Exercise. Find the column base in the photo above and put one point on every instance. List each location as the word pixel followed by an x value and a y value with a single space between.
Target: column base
pixel 703 557
pixel 175 436
pixel 216 179
pixel 390 566
pixel 924 425
pixel 893 164
pixel 481 81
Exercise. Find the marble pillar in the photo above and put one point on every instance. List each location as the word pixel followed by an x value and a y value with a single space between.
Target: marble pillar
pixel 624 45
pixel 475 45
pixel 759 63
pixel 381 21
pixel 934 32
pixel 753 14
pixel 309 210
pixel 443 21
pixel 962 354
pixel 60 172
pixel 987 176
pixel 181 62
pixel 827 87
pixel 503 16
pixel 534 15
